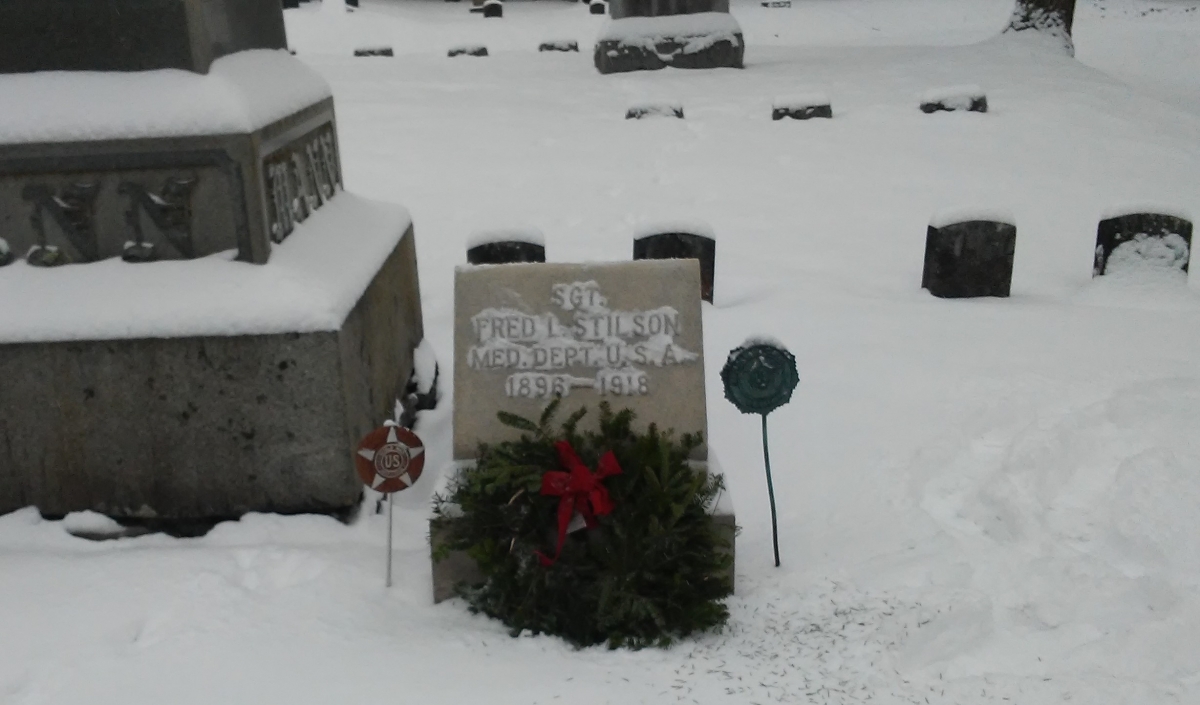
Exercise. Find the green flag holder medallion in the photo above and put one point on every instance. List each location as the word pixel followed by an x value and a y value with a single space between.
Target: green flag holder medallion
pixel 759 378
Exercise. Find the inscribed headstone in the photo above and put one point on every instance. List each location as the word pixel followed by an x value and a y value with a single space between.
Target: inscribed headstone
pixel 629 333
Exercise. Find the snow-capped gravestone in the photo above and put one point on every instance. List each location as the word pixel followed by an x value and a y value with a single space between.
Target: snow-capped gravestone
pixel 1142 240
pixel 200 389
pixel 969 254
pixel 677 243
pixel 653 34
pixel 970 98
pixel 506 247
pixel 628 333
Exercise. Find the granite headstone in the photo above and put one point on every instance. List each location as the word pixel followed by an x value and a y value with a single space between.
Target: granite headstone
pixel 629 333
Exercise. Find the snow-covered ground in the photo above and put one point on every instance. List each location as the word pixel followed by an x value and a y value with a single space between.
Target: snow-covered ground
pixel 981 500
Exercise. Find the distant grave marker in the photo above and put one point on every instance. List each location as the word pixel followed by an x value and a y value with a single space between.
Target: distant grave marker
pixel 674 244
pixel 506 248
pixel 970 98
pixel 598 7
pixel 493 8
pixel 374 51
pixel 560 45
pixel 1149 239
pixel 969 257
pixel 646 110
pixel 468 50
pixel 802 107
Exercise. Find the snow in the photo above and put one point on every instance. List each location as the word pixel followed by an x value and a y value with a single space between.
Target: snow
pixel 760 339
pixel 311 283
pixel 799 101
pixel 89 523
pixel 1147 207
pixel 530 235
pixel 963 214
pixel 979 500
pixel 657 227
pixel 631 30
pixel 241 93
pixel 1143 252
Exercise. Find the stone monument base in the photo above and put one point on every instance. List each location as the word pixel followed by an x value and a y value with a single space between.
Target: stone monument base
pixel 703 40
pixel 222 387
pixel 459 568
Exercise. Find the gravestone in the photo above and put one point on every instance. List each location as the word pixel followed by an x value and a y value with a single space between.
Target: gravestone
pixel 802 107
pixel 506 252
pixel 970 98
pixel 969 258
pixel 1154 239
pixel 559 45
pixel 645 110
pixel 468 50
pixel 493 8
pixel 627 333
pixel 599 7
pixel 681 245
pixel 188 390
pixel 653 34
pixel 374 51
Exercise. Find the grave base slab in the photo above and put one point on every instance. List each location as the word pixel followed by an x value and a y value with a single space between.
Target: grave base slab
pixel 210 426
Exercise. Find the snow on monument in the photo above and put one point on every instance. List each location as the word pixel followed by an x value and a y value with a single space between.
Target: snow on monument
pixel 195 321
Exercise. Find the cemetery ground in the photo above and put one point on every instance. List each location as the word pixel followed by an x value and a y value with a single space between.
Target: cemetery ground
pixel 985 500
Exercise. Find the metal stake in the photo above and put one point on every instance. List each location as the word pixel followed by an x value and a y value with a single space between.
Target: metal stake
pixel 770 492
pixel 389 538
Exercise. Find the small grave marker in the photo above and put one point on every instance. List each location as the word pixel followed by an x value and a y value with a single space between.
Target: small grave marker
pixel 507 248
pixel 374 51
pixel 759 378
pixel 969 256
pixel 493 8
pixel 468 50
pixel 673 244
pixel 970 98
pixel 777 3
pixel 638 112
pixel 560 45
pixel 803 107
pixel 1151 238
pixel 389 460
pixel 598 8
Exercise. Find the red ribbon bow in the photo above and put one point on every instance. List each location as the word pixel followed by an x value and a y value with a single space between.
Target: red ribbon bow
pixel 580 490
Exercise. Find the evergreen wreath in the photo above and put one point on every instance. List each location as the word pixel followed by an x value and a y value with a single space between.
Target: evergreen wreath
pixel 653 565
